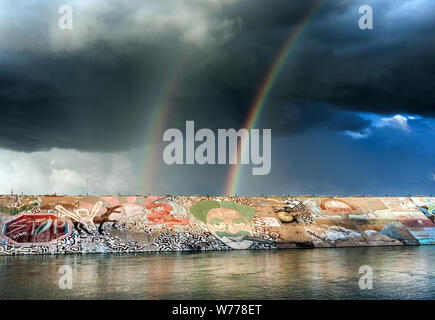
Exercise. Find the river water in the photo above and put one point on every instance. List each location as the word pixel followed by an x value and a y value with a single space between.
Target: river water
pixel 398 273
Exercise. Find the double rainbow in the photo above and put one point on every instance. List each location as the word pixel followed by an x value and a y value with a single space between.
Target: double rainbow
pixel 265 88
pixel 156 123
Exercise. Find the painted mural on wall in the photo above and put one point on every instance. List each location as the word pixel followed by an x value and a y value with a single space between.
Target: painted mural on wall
pixel 102 224
pixel 29 228
pixel 228 221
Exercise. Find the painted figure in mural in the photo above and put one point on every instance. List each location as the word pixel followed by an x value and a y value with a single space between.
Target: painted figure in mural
pixel 82 216
pixel 226 220
pixel 105 217
pixel 290 210
pixel 161 214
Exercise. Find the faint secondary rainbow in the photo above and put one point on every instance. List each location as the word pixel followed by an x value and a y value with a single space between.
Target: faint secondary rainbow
pixel 155 126
pixel 265 88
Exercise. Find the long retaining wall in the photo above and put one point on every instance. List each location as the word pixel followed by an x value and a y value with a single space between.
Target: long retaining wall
pixel 69 224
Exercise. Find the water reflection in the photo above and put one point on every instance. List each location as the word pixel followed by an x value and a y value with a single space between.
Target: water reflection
pixel 399 273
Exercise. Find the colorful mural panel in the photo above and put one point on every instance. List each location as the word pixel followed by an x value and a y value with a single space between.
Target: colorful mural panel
pixel 426 205
pixel 54 224
pixel 414 215
pixel 333 216
pixel 29 228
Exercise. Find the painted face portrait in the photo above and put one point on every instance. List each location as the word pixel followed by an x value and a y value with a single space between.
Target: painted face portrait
pixel 228 221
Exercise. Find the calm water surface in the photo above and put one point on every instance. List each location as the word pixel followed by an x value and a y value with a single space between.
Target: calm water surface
pixel 398 273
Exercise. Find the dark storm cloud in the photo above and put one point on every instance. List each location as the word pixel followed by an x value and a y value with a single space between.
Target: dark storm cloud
pixel 97 90
pixel 28 113
pixel 387 70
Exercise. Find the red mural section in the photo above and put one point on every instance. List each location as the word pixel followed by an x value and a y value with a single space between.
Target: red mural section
pixel 31 228
pixel 161 214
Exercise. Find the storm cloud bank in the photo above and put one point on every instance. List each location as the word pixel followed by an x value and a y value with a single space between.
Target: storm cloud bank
pixel 96 87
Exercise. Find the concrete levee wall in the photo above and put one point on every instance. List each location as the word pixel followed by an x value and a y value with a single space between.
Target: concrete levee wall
pixel 100 224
